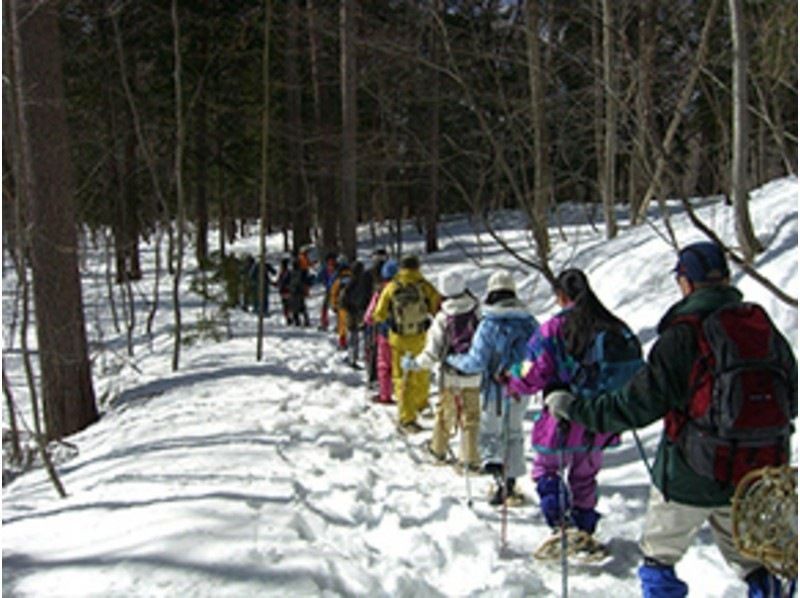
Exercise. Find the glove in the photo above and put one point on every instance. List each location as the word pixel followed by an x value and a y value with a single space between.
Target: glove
pixel 408 363
pixel 515 371
pixel 558 403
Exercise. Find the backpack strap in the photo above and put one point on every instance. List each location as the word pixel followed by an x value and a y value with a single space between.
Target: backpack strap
pixel 703 365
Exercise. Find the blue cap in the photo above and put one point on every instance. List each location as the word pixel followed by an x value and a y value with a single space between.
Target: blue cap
pixel 389 269
pixel 702 262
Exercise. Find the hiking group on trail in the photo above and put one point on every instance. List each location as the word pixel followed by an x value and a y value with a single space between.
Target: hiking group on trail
pixel 720 375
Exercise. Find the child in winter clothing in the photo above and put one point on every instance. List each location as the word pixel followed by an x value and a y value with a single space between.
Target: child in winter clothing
pixel 298 286
pixel 383 359
pixel 498 344
pixel 408 301
pixel 459 399
pixel 379 257
pixel 355 299
pixel 683 498
pixel 553 356
pixel 343 276
pixel 283 288
pixel 326 276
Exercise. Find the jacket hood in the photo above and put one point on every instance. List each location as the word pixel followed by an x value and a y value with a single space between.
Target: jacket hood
pixel 407 275
pixel 701 302
pixel 459 304
pixel 511 308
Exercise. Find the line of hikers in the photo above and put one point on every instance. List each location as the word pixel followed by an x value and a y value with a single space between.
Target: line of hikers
pixel 720 375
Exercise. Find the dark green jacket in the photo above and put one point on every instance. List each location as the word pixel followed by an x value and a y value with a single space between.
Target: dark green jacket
pixel 659 387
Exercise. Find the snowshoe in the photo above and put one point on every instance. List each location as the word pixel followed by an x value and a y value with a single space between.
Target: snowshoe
pixel 409 428
pixel 582 548
pixel 437 459
pixel 381 401
pixel 514 498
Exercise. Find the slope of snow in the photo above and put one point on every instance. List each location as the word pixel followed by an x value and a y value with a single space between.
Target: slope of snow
pixel 233 477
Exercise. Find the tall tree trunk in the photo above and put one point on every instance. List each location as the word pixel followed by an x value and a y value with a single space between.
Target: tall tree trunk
pixel 201 180
pixel 298 198
pixel 179 192
pixel 349 211
pixel 739 171
pixel 541 162
pixel 432 208
pixel 645 127
pixel 325 155
pixel 609 179
pixel 263 201
pixel 46 177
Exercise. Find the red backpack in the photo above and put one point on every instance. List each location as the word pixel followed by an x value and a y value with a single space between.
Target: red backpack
pixel 742 399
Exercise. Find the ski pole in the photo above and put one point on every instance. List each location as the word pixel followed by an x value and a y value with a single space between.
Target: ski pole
pixel 505 436
pixel 562 504
pixel 460 419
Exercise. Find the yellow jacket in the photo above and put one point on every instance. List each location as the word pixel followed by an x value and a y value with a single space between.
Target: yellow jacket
pixel 411 342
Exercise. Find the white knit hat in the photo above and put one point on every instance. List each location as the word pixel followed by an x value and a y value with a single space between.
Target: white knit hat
pixel 501 281
pixel 452 284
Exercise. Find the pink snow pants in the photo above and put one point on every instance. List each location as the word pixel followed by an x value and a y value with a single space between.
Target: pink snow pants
pixel 384 367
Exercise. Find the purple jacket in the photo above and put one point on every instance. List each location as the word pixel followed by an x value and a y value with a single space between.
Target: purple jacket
pixel 548 364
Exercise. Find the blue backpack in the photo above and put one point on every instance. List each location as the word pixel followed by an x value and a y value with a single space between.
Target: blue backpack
pixel 610 360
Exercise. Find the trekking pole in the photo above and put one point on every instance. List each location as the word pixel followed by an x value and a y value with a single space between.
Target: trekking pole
pixel 504 508
pixel 563 428
pixel 459 401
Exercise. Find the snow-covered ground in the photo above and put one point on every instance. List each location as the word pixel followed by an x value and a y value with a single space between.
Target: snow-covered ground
pixel 233 477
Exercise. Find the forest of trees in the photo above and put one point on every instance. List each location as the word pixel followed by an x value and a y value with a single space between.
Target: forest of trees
pixel 148 121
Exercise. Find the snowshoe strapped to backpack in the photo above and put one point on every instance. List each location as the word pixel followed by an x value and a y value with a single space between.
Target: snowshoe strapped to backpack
pixel 409 309
pixel 612 358
pixel 739 412
pixel 459 330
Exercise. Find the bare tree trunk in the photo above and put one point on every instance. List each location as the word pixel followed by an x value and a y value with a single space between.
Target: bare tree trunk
pixel 609 179
pixel 46 180
pixel 741 146
pixel 180 208
pixel 541 161
pixel 201 176
pixel 678 113
pixel 263 201
pixel 645 127
pixel 349 211
pixel 16 450
pixel 325 156
pixel 298 198
pixel 432 207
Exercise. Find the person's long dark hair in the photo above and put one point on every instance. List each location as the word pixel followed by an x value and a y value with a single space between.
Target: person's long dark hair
pixel 588 315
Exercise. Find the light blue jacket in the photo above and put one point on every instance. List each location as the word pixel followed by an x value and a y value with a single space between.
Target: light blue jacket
pixel 499 343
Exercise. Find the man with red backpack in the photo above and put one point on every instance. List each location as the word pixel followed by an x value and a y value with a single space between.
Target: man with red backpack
pixel 725 382
pixel 459 401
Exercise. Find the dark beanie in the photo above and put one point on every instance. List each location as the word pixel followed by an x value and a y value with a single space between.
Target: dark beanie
pixel 702 262
pixel 410 261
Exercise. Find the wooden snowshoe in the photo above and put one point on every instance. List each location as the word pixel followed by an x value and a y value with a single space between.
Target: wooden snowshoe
pixel 582 548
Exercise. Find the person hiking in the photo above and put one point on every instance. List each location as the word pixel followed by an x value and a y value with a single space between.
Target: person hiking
pixel 379 257
pixel 355 300
pixel 298 286
pixel 554 358
pixel 459 400
pixel 282 283
pixel 326 276
pixel 694 373
pixel 383 353
pixel 343 276
pixel 498 344
pixel 408 302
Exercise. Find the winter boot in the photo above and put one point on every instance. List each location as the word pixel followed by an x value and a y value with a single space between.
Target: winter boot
pixel 762 584
pixel 659 581
pixel 503 491
pixel 552 492
pixel 585 519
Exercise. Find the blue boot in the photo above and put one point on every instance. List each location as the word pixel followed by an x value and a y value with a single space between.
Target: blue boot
pixel 660 581
pixel 549 487
pixel 762 584
pixel 585 519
